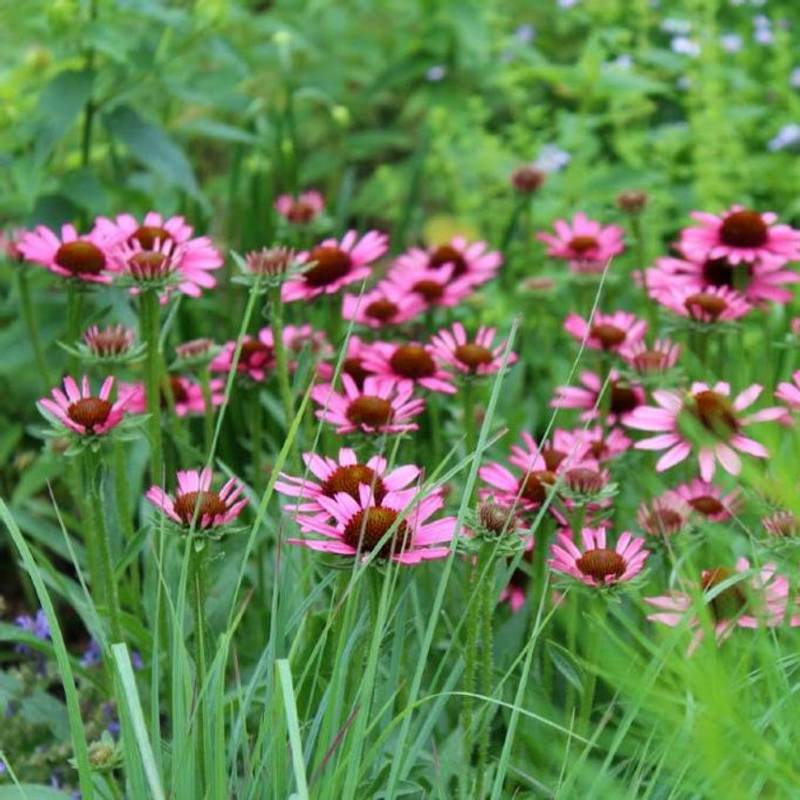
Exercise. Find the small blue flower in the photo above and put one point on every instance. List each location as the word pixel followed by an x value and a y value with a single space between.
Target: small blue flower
pixel 436 73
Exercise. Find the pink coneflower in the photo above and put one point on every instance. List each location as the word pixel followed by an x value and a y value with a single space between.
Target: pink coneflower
pixel 186 394
pixel 435 287
pixel 665 515
pixel 597 564
pixel 362 526
pixel 609 332
pixel 620 399
pixel 256 358
pixel 740 235
pixel 709 500
pixel 713 410
pixel 479 356
pixel 789 393
pixel 517 589
pixel 759 600
pixel 653 359
pixel 384 305
pixel 353 364
pixel 195 500
pixel 157 242
pixel 113 340
pixel 560 452
pixel 195 349
pixel 334 264
pixel 381 406
pixel 469 262
pixel 759 282
pixel 712 305
pixel 584 242
pixel 407 362
pixel 602 444
pixel 81 411
pixel 84 258
pixel 300 210
pixel 346 474
pixel 525 492
pixel 781 524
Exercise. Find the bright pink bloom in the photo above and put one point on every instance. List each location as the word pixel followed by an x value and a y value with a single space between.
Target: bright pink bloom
pixel 760 599
pixel 384 305
pixel 602 444
pixel 360 526
pixel 435 287
pixel 381 406
pixel 192 257
pixel 194 500
pixel 334 264
pixel 480 356
pixel 609 332
pixel 346 474
pixel 85 258
pixel 665 515
pixel 709 500
pixel 186 394
pixel 561 452
pixel 525 492
pixel 740 235
pixel 620 400
pixel 300 210
pixel 651 360
pixel 789 393
pixel 713 304
pixel 256 358
pixel 711 408
pixel 584 242
pixel 597 564
pixel 461 261
pixel 407 362
pixel 353 364
pixel 81 411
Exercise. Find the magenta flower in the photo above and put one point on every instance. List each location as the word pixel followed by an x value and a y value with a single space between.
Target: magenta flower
pixel 602 444
pixel 346 474
pixel 651 360
pixel 621 397
pixel 360 526
pixel 113 340
pixel 713 304
pixel 435 287
pixel 760 599
pixel 561 452
pixel 82 412
pixel 85 258
pixel 407 362
pixel 597 564
pixel 610 332
pixel 302 209
pixel 789 393
pixel 740 236
pixel 709 500
pixel 526 491
pixel 353 364
pixel 195 500
pixel 256 358
pixel 665 515
pixel 584 242
pixel 186 394
pixel 159 244
pixel 714 411
pixel 479 356
pixel 468 262
pixel 333 264
pixel 385 305
pixel 380 406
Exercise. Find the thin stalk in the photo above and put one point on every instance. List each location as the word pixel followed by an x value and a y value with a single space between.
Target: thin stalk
pixel 30 323
pixel 256 434
pixel 593 638
pixel 208 404
pixel 124 515
pixel 468 400
pixel 149 324
pixel 487 603
pixel 470 672
pixel 74 308
pixel 198 566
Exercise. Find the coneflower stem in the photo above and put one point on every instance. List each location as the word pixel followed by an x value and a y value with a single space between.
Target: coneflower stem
pixel 487 603
pixel 281 364
pixel 208 405
pixel 470 671
pixel 198 577
pixel 30 323
pixel 122 491
pixel 256 434
pixel 594 622
pixel 468 399
pixel 74 305
pixel 150 325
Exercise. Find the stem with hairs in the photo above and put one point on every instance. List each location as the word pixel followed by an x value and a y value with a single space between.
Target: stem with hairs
pixel 150 325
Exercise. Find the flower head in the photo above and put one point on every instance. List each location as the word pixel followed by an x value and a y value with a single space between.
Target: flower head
pixel 434 287
pixel 256 358
pixel 477 356
pixel 620 398
pixel 110 342
pixel 184 393
pixel 661 357
pixel 82 412
pixel 384 305
pixel 609 332
pixel 664 516
pixel 407 362
pixel 708 500
pixel 195 504
pixel 583 241
pixel 528 178
pixel 85 258
pixel 711 305
pixel 272 263
pixel 789 393
pixel 300 210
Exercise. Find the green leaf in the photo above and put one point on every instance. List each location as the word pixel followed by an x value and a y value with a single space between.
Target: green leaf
pixel 60 103
pixel 211 129
pixel 31 791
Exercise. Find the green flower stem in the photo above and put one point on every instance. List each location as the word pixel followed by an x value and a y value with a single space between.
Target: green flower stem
pixel 150 326
pixel 74 313
pixel 281 364
pixel 106 588
pixel 124 515
pixel 208 416
pixel 468 400
pixel 486 598
pixel 198 592
pixel 594 624
pixel 256 433
pixel 30 323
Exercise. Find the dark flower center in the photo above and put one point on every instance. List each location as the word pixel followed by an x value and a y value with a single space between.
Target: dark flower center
pixel 744 229
pixel 382 310
pixel 473 355
pixel 370 410
pixel 664 520
pixel 715 412
pixel 301 213
pixel 446 254
pixel 354 367
pixel 201 503
pixel 89 412
pixel 651 361
pixel 149 235
pixel 329 265
pixel 705 302
pixel 533 486
pixel 348 479
pixel 149 265
pixel 527 179
pixel 707 505
pixel 177 389
pixel 552 458
pixel 366 529
pixel 81 258
pixel 718 272
pixel 429 290
pixel 610 336
pixel 601 563
pixel 412 361
pixel 494 518
pixel 623 398
pixel 730 602
pixel 582 244
pixel 254 353
pixel 584 480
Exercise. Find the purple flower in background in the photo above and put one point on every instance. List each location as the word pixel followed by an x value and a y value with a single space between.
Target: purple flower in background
pixel 794 78
pixel 525 33
pixel 552 158
pixel 567 3
pixel 676 26
pixel 786 137
pixel 685 46
pixel 731 42
pixel 36 625
pixel 436 73
pixel 91 655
